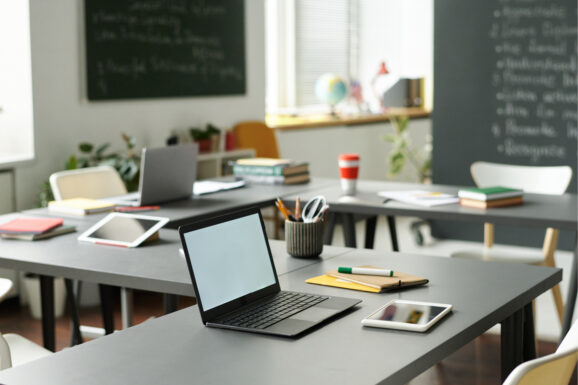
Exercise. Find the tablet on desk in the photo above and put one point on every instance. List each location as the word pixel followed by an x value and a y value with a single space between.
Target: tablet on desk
pixel 407 315
pixel 125 230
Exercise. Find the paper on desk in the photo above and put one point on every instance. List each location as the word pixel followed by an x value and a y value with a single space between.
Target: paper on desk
pixel 211 186
pixel 420 197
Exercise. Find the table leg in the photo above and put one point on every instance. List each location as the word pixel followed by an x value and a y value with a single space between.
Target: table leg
pixel 348 224
pixel 517 339
pixel 71 298
pixel 126 308
pixel 171 302
pixel 392 232
pixel 107 307
pixel 571 297
pixel 47 298
pixel 329 228
pixel 370 224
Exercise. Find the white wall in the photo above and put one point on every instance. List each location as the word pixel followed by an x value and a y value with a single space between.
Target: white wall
pixel 63 118
pixel 321 147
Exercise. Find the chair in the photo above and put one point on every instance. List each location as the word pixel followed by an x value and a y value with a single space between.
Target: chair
pixel 15 349
pixel 94 183
pixel 553 369
pixel 553 180
pixel 258 136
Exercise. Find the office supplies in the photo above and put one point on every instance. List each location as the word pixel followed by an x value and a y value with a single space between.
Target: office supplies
pixel 407 315
pixel 264 162
pixel 64 229
pixel 382 283
pixel 314 208
pixel 167 174
pixel 235 280
pixel 284 210
pixel 326 280
pixel 364 271
pixel 298 210
pixel 284 169
pixel 125 230
pixel 304 239
pixel 30 225
pixel 420 197
pixel 489 193
pixel 272 179
pixel 80 206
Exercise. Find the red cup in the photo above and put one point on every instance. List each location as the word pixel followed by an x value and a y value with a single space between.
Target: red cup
pixel 348 170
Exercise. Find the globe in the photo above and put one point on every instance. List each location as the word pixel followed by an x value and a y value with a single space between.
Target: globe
pixel 330 89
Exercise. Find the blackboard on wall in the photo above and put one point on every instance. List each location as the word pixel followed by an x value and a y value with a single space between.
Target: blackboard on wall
pixel 505 83
pixel 164 48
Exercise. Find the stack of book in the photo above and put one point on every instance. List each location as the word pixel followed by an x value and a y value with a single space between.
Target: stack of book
pixel 32 229
pixel 80 206
pixel 271 171
pixel 490 197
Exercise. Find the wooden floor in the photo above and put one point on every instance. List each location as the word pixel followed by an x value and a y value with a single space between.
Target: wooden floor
pixel 477 363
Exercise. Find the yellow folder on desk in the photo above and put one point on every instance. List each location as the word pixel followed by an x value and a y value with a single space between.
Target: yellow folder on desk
pixel 327 280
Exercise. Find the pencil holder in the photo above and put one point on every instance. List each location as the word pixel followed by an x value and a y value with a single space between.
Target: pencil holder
pixel 304 240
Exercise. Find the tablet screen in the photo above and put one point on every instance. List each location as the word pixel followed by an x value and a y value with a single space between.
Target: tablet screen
pixel 123 229
pixel 410 313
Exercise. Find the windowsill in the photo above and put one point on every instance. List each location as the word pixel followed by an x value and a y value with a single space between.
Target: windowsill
pixel 291 122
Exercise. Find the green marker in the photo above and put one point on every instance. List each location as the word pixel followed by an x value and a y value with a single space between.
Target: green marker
pixel 365 271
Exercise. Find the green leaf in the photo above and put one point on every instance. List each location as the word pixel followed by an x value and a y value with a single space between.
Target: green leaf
pixel 85 147
pixel 71 163
pixel 102 149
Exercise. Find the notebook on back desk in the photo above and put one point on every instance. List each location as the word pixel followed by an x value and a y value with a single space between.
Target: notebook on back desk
pixel 235 281
pixel 167 174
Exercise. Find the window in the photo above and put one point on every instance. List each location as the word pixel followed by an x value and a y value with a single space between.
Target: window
pixel 16 115
pixel 350 38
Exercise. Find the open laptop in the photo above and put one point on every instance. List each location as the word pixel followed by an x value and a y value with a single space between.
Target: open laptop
pixel 236 284
pixel 166 174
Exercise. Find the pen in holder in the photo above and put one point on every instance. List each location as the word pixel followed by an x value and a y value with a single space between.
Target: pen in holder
pixel 304 239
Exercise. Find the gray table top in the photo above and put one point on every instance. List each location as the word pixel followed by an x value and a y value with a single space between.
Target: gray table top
pixel 156 266
pixel 559 211
pixel 177 349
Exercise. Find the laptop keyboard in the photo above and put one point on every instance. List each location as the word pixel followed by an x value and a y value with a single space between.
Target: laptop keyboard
pixel 267 313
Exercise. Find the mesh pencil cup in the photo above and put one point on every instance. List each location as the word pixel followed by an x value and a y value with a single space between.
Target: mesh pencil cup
pixel 304 240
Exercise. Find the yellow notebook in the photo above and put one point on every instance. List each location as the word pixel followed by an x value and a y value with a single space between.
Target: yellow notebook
pixel 370 283
pixel 80 206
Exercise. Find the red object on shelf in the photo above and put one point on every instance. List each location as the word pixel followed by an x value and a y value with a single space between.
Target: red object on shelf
pixel 229 141
pixel 204 145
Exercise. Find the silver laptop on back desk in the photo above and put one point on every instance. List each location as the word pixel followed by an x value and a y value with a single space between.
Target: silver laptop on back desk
pixel 236 284
pixel 166 174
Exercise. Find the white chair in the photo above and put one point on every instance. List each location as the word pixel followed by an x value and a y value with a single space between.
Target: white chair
pixel 15 349
pixel 93 183
pixel 553 180
pixel 553 369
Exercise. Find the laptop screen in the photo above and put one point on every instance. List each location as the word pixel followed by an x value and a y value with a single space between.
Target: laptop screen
pixel 230 260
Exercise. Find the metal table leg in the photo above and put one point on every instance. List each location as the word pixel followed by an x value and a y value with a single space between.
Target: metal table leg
pixel 71 298
pixel 392 232
pixel 47 298
pixel 517 339
pixel 107 307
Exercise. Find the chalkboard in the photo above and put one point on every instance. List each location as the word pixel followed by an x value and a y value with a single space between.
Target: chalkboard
pixel 505 83
pixel 164 48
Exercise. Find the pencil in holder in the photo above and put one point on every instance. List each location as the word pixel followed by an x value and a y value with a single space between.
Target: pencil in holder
pixel 304 240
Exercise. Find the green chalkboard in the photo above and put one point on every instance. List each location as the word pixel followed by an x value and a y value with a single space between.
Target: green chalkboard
pixel 161 48
pixel 505 82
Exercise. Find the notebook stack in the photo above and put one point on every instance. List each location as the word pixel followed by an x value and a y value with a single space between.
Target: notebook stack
pixel 271 171
pixel 32 229
pixel 490 197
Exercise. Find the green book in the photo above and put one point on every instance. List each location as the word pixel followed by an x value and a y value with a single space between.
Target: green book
pixel 279 170
pixel 489 193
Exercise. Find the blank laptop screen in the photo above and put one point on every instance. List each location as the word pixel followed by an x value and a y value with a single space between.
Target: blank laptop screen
pixel 229 260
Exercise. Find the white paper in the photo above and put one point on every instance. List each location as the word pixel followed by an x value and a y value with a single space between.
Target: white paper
pixel 420 197
pixel 211 186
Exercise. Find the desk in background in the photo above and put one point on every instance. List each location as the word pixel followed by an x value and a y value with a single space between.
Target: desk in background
pixel 537 211
pixel 178 349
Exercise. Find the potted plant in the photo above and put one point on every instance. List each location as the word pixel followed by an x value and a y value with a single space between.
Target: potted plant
pixel 403 152
pixel 214 136
pixel 202 137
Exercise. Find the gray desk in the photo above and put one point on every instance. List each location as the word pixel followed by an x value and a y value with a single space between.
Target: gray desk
pixel 537 211
pixel 177 349
pixel 157 266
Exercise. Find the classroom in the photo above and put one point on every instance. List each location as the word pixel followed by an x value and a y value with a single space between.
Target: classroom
pixel 425 99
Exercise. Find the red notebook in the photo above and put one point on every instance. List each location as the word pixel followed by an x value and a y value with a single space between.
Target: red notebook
pixel 30 225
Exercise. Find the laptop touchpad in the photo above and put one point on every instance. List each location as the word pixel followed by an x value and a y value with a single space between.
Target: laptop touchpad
pixel 314 314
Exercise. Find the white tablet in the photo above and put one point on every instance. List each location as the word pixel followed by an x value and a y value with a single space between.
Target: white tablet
pixel 407 315
pixel 121 229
